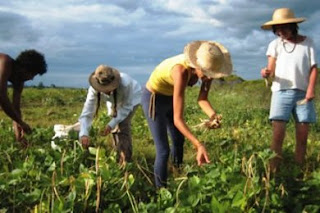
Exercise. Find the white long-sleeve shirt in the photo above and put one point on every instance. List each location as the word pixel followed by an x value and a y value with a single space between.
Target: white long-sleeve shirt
pixel 128 96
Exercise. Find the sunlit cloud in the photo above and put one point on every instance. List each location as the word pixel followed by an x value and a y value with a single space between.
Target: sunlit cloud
pixel 134 36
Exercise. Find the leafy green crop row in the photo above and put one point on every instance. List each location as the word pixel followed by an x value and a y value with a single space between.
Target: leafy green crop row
pixel 59 176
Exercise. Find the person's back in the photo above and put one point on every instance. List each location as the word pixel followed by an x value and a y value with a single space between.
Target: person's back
pixel 161 79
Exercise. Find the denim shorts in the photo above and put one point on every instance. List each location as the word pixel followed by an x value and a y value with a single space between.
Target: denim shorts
pixel 284 103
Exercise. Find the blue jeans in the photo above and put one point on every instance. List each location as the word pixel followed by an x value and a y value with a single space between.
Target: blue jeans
pixel 159 127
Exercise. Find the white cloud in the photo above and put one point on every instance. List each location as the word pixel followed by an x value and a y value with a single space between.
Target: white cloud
pixel 77 35
pixel 51 11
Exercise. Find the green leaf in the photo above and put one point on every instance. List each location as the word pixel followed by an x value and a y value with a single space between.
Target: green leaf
pixel 223 177
pixel 33 196
pixel 239 200
pixel 72 196
pixel 214 173
pixel 92 150
pixel 194 199
pixel 194 181
pixel 215 205
pixel 131 179
pixel 52 167
pixel 165 194
pixel 17 173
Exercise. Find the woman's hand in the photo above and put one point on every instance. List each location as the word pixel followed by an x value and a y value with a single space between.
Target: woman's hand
pixel 85 141
pixel 202 156
pixel 214 122
pixel 310 95
pixel 265 73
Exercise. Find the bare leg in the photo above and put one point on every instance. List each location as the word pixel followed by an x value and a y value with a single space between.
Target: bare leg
pixel 302 130
pixel 279 129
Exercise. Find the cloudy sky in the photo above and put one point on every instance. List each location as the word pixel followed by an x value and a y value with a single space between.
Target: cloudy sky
pixel 135 35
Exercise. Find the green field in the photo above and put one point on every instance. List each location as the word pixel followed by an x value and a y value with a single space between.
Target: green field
pixel 62 177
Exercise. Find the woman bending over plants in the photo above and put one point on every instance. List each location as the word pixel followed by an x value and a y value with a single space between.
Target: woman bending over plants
pixel 163 100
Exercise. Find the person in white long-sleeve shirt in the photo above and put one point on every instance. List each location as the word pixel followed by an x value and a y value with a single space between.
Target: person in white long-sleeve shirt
pixel 122 95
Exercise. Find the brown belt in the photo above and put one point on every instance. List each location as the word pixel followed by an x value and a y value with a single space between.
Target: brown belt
pixel 152 102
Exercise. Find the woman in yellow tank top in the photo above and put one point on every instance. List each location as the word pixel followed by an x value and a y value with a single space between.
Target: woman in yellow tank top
pixel 163 100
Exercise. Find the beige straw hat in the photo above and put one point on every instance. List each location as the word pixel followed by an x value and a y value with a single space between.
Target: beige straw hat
pixel 282 16
pixel 105 79
pixel 211 57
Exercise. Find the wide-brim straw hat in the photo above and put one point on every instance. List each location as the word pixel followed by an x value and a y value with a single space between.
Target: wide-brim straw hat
pixel 104 79
pixel 211 57
pixel 282 16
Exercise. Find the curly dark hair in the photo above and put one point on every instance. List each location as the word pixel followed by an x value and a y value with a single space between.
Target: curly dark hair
pixel 32 61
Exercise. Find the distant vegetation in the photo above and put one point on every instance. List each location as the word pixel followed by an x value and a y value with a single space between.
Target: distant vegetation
pixel 59 176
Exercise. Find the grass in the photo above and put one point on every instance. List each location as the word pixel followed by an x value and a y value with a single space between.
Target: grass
pixel 236 181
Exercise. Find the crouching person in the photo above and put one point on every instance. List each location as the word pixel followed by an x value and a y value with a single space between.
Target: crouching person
pixel 25 67
pixel 122 95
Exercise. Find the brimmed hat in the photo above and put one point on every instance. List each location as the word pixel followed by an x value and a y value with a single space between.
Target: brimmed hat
pixel 282 16
pixel 104 79
pixel 211 57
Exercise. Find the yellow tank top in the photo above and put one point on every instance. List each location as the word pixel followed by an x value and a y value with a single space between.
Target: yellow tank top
pixel 161 80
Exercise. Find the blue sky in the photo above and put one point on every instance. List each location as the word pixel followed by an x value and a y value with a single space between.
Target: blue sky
pixel 134 36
